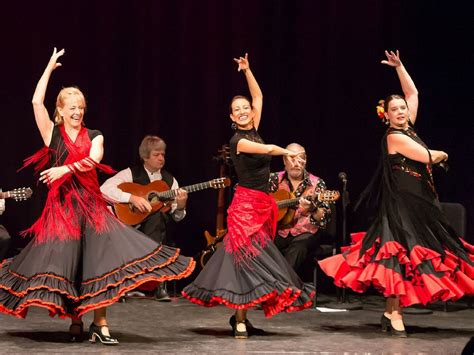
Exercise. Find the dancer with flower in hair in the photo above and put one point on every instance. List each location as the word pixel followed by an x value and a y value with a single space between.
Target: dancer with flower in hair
pixel 410 253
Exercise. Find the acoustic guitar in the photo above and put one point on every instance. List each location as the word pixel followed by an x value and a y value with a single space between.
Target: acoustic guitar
pixel 159 195
pixel 287 202
pixel 19 194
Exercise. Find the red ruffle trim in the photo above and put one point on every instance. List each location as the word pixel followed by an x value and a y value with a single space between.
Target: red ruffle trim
pixel 55 309
pixel 84 309
pixel 272 303
pixel 359 272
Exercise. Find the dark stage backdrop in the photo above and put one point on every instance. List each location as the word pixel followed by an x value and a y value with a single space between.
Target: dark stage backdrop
pixel 165 68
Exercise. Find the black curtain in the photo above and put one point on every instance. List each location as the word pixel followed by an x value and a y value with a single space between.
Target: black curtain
pixel 165 67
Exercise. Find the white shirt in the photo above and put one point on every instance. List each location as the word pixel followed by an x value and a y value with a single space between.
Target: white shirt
pixel 2 204
pixel 112 193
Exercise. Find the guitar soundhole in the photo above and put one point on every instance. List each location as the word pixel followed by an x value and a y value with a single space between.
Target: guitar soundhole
pixel 153 197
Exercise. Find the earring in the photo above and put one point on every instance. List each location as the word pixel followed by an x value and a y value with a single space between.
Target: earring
pixel 233 126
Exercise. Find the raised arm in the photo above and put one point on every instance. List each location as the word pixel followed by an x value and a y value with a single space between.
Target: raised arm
pixel 44 123
pixel 255 92
pixel 408 86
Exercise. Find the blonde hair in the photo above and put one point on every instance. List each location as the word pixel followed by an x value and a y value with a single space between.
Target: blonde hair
pixel 150 143
pixel 60 101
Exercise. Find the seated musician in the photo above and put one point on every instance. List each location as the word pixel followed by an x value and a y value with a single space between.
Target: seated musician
pixel 5 239
pixel 301 234
pixel 152 153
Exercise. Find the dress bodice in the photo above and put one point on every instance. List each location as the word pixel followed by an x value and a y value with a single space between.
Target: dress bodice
pixel 253 170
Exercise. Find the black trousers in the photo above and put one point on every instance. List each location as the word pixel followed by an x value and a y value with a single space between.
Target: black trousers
pixel 295 248
pixel 5 241
pixel 158 227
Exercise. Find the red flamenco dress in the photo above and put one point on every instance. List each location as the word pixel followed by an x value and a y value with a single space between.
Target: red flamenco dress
pixel 410 250
pixel 81 257
pixel 249 269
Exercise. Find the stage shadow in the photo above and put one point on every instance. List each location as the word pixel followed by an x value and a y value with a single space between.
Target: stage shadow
pixel 226 333
pixel 371 330
pixel 63 337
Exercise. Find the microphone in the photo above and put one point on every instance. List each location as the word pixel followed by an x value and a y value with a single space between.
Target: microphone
pixel 343 177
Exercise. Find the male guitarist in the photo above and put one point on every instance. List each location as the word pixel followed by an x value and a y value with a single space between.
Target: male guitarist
pixel 5 239
pixel 152 154
pixel 295 238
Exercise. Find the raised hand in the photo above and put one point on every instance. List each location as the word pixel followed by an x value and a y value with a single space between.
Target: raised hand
pixel 393 59
pixel 294 155
pixel 53 61
pixel 243 62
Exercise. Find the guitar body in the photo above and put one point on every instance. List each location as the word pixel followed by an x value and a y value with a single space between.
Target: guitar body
pixel 128 214
pixel 285 214
pixel 160 197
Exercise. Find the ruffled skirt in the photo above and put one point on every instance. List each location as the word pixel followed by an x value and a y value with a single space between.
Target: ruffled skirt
pixel 420 275
pixel 260 277
pixel 73 277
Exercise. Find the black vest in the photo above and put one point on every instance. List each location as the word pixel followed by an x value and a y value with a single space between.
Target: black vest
pixel 140 176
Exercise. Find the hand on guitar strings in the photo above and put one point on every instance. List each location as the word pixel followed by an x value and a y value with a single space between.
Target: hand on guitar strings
pixel 141 204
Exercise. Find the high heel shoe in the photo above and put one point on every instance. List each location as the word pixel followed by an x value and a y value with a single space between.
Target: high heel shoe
pixel 95 332
pixel 240 334
pixel 385 323
pixel 76 337
pixel 398 333
pixel 250 328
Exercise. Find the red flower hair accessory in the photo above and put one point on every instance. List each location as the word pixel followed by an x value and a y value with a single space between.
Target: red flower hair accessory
pixel 381 111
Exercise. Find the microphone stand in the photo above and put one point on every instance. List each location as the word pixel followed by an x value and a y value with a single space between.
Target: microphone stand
pixel 342 303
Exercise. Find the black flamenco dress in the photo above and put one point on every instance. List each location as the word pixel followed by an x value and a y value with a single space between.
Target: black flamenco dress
pixel 410 250
pixel 249 269
pixel 81 257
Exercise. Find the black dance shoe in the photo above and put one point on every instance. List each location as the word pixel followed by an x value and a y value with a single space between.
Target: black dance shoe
pixel 250 328
pixel 240 334
pixel 398 333
pixel 76 335
pixel 161 294
pixel 385 323
pixel 95 332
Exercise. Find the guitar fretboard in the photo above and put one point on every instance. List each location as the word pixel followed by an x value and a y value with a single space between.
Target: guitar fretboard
pixel 171 194
pixel 288 203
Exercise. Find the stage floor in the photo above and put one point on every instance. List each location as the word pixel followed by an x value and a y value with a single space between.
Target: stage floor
pixel 147 326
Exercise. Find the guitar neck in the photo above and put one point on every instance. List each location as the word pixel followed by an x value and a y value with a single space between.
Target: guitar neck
pixel 4 195
pixel 288 203
pixel 171 194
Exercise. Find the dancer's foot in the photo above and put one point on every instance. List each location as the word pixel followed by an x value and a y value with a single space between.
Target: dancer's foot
pixel 250 328
pixel 76 332
pixel 398 328
pixel 101 332
pixel 240 330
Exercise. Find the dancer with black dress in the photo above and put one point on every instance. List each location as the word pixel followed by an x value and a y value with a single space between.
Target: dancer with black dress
pixel 410 253
pixel 81 258
pixel 249 269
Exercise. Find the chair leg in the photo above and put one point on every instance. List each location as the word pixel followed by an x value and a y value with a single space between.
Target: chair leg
pixel 315 280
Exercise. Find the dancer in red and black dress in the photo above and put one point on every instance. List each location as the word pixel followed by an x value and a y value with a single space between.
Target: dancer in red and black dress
pixel 410 253
pixel 81 258
pixel 249 269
